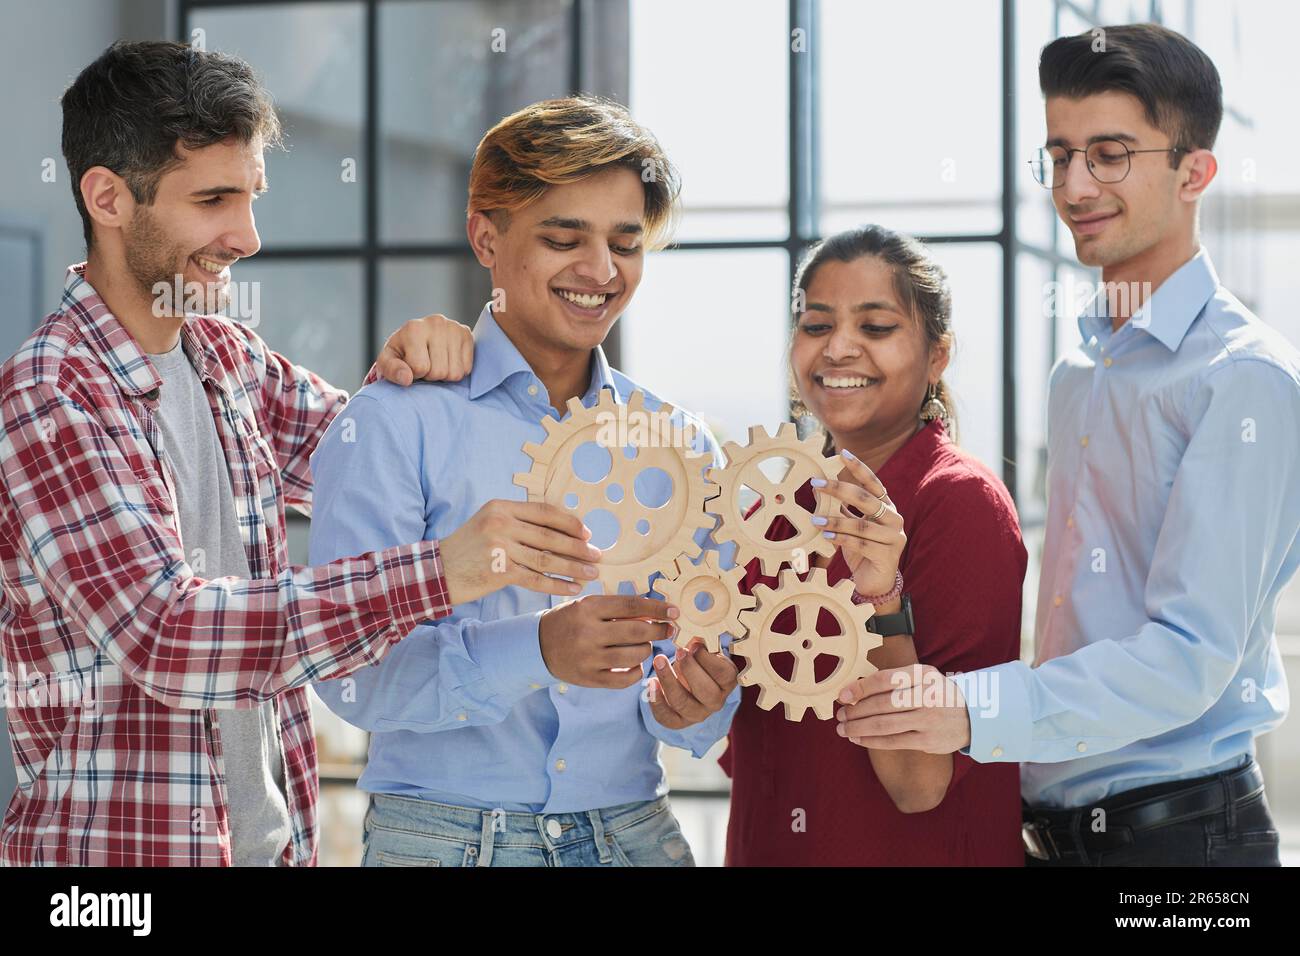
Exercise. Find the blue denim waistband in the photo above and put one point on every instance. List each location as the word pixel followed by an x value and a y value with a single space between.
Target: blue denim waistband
pixel 471 824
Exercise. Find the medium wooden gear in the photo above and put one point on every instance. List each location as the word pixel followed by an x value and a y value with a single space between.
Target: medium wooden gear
pixel 851 645
pixel 742 469
pixel 723 590
pixel 669 530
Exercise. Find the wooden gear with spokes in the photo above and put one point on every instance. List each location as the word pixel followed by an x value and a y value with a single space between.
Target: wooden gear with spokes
pixel 808 598
pixel 743 469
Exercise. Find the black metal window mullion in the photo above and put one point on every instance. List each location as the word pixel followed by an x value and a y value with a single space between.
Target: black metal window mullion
pixel 1008 242
pixel 370 202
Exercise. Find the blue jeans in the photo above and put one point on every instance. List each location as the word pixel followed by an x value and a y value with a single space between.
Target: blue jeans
pixel 407 831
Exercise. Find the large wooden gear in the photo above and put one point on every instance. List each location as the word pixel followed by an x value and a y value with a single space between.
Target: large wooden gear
pixel 851 645
pixel 724 600
pixel 650 539
pixel 742 469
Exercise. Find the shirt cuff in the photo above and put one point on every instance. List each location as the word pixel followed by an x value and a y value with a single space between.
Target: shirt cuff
pixel 509 654
pixel 997 702
pixel 699 738
pixel 414 584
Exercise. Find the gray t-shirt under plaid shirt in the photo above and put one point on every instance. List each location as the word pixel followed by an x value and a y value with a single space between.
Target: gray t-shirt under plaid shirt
pixel 260 828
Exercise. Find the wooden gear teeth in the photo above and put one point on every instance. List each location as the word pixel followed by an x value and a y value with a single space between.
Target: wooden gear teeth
pixel 670 529
pixel 851 645
pixel 742 469
pixel 722 615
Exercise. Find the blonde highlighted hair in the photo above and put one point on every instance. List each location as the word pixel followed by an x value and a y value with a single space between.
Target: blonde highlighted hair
pixel 565 141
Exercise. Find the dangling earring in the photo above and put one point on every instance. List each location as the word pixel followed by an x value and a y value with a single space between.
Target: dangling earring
pixel 933 407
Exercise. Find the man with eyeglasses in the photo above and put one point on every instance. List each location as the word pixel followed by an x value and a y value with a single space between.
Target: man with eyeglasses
pixel 1173 503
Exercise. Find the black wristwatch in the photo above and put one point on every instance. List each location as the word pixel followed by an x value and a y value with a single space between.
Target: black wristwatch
pixel 892 625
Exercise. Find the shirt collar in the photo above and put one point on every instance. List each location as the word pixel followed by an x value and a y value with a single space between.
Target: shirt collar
pixel 903 471
pixel 1169 312
pixel 117 348
pixel 496 360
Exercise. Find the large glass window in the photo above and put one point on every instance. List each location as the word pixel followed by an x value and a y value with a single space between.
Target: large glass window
pixel 910 130
pixel 788 120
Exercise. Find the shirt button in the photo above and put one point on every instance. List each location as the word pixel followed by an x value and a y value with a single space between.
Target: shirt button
pixel 553 828
pixel 1069 522
pixel 560 765
pixel 563 688
pixel 996 752
pixel 1057 600
pixel 532 389
pixel 462 716
pixel 1084 441
pixel 1081 746
pixel 1107 363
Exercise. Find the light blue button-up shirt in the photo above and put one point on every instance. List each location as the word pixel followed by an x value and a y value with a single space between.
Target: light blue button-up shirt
pixel 465 711
pixel 1173 523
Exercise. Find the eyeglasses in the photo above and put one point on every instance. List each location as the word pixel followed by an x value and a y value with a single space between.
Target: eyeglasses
pixel 1109 161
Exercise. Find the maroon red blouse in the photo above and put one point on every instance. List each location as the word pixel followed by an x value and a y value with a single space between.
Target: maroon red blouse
pixel 964 566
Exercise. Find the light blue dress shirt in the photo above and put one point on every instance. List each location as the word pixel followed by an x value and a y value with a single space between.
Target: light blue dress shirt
pixel 1173 523
pixel 464 711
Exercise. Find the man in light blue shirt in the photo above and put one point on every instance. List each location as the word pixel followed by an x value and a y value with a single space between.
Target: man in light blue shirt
pixel 517 731
pixel 1173 503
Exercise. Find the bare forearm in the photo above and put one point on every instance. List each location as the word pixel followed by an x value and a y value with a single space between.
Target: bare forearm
pixel 915 781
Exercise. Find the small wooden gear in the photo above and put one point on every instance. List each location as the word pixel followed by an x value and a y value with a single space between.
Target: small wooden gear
pixel 851 645
pixel 742 469
pixel 649 539
pixel 724 599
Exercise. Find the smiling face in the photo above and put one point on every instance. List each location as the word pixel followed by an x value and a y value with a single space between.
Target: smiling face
pixel 861 361
pixel 568 263
pixel 200 223
pixel 1115 223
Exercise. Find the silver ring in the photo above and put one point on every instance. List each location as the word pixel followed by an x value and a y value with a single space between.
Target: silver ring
pixel 880 512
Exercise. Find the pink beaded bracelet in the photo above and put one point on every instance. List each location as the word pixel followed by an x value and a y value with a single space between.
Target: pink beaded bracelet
pixel 882 598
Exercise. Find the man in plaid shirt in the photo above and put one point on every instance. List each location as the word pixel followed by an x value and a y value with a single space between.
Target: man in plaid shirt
pixel 158 708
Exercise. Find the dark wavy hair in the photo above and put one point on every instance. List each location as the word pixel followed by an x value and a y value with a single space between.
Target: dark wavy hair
pixel 129 109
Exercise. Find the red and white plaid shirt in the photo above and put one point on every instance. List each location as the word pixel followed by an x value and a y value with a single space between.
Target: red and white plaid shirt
pixel 117 655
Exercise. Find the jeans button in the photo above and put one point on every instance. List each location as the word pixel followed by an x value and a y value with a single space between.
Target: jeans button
pixel 553 828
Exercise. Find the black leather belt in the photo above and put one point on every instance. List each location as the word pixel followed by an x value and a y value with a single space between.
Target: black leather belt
pixel 1066 834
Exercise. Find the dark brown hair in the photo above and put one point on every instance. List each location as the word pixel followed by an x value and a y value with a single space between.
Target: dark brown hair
pixel 919 282
pixel 1171 76
pixel 129 109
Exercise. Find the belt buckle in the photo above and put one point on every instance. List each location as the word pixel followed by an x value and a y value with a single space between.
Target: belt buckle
pixel 1035 845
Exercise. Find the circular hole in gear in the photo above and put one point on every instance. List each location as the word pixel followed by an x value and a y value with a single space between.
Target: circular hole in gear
pixel 653 487
pixel 571 500
pixel 591 463
pixel 807 645
pixel 703 601
pixel 604 528
pixel 614 493
pixel 643 527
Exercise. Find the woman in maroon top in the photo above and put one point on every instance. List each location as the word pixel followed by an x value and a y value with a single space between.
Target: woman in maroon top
pixel 868 355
